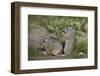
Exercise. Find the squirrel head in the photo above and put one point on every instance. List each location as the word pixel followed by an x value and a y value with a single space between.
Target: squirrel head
pixel 69 32
pixel 69 29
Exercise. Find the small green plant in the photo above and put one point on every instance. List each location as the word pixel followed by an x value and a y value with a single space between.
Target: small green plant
pixel 80 50
pixel 33 52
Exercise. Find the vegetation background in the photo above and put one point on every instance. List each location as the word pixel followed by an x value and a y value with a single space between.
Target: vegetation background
pixel 55 25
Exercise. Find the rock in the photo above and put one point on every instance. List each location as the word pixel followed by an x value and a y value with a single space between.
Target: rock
pixel 37 34
pixel 39 37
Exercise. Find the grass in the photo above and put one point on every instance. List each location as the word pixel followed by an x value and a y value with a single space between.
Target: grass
pixel 80 50
pixel 33 52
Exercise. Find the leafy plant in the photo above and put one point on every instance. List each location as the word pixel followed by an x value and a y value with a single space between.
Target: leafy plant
pixel 33 52
pixel 80 50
